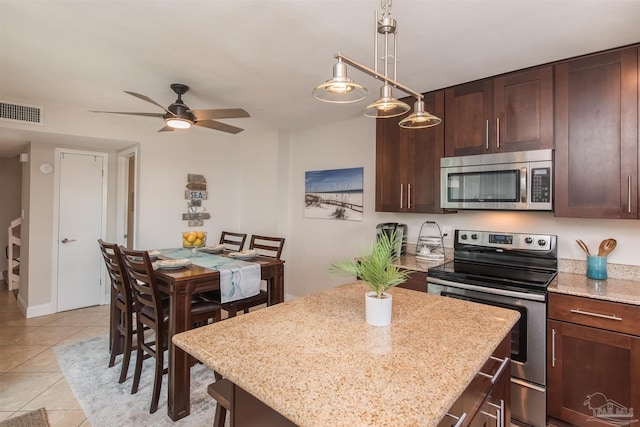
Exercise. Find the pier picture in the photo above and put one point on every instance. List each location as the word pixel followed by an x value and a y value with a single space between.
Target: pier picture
pixel 334 194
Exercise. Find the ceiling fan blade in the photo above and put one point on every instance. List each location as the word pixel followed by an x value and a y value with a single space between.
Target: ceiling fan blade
pixel 166 129
pixel 225 113
pixel 130 114
pixel 212 124
pixel 146 98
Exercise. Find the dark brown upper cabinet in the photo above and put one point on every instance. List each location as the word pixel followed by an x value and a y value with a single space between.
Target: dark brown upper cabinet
pixel 512 112
pixel 596 151
pixel 408 162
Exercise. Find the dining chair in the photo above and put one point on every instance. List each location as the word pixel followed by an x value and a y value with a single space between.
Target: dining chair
pixel 265 246
pixel 152 311
pixel 122 307
pixel 233 241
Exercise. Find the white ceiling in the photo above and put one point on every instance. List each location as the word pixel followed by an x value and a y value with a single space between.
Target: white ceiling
pixel 266 56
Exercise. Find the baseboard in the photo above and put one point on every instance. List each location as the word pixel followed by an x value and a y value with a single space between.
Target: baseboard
pixel 35 310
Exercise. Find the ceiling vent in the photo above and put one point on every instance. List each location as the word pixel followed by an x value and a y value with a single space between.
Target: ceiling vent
pixel 21 113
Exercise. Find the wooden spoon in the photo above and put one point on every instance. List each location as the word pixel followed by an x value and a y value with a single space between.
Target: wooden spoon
pixel 583 246
pixel 607 246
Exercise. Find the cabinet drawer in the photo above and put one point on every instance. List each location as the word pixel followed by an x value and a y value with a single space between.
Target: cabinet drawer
pixel 608 315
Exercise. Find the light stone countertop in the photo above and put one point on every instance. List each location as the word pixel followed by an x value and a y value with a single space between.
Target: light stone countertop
pixel 621 286
pixel 616 290
pixel 317 362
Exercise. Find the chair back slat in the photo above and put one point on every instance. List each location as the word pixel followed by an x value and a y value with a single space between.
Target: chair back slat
pixel 233 241
pixel 267 246
pixel 143 282
pixel 115 267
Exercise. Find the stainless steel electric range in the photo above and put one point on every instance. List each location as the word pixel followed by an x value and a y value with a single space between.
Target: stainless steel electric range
pixel 509 270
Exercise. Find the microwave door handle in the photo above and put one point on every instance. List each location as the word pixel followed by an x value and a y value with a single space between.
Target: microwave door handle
pixel 523 185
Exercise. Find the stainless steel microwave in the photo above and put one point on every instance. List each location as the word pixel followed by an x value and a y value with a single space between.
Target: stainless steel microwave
pixel 520 180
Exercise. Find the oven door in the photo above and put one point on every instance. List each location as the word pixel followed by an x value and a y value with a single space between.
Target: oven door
pixel 528 336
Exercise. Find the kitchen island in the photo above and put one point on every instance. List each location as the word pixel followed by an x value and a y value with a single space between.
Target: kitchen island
pixel 317 362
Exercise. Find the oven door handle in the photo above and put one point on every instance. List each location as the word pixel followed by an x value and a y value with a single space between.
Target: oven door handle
pixel 494 291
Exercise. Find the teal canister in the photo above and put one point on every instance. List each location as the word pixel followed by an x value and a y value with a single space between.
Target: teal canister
pixel 596 267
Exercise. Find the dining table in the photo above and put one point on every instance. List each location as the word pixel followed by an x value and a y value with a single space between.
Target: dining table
pixel 180 285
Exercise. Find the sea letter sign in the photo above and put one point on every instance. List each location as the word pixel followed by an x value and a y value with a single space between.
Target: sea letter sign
pixel 195 195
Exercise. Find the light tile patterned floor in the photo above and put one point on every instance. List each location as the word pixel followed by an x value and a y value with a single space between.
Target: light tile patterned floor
pixel 30 377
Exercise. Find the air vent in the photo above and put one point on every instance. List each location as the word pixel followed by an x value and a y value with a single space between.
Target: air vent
pixel 21 113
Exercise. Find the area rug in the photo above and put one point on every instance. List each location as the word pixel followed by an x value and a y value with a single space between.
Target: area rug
pixel 107 403
pixel 37 418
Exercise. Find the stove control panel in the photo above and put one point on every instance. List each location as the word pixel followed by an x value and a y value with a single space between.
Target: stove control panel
pixel 502 240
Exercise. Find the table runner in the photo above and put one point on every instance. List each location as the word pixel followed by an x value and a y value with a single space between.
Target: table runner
pixel 238 279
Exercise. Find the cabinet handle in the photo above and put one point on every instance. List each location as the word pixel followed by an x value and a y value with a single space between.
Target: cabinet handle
pixel 460 419
pixel 497 132
pixel 629 194
pixel 495 376
pixel 408 196
pixel 553 348
pixel 486 136
pixel 588 313
pixel 401 194
pixel 499 413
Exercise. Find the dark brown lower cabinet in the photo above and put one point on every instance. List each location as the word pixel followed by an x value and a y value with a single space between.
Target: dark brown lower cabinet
pixel 417 281
pixel 486 402
pixel 593 372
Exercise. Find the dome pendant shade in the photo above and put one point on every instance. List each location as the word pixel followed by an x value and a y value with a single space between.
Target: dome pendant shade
pixel 420 118
pixel 387 106
pixel 340 89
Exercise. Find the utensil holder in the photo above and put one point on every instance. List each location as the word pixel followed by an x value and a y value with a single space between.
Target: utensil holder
pixel 597 267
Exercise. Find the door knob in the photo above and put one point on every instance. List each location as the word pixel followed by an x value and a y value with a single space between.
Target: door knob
pixel 65 240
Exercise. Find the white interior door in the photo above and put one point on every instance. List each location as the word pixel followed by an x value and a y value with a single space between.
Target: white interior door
pixel 81 210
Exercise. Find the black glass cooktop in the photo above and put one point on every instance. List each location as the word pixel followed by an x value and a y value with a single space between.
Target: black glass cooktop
pixel 494 276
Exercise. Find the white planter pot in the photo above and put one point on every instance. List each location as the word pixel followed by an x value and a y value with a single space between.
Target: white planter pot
pixel 378 310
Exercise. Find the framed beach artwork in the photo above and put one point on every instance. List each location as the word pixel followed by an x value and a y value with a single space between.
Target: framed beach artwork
pixel 334 194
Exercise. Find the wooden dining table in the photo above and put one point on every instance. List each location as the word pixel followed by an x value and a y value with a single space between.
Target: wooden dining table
pixel 180 285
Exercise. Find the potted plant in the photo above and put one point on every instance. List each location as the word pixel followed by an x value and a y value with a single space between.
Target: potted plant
pixel 379 272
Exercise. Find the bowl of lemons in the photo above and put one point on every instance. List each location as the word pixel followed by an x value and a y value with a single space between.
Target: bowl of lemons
pixel 194 240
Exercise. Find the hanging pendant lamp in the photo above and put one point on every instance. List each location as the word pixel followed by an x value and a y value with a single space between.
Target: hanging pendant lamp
pixel 341 89
pixel 386 106
pixel 419 118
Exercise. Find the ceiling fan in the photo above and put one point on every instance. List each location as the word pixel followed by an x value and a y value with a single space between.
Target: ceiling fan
pixel 179 116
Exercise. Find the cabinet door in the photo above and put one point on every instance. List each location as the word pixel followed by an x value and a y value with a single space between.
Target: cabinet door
pixel 428 150
pixel 523 108
pixel 590 371
pixel 392 170
pixel 417 281
pixel 408 163
pixel 468 119
pixel 596 155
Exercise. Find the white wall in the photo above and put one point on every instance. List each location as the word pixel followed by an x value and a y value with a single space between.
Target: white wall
pixel 315 243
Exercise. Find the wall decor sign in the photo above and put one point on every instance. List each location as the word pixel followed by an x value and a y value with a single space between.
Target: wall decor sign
pixel 334 194
pixel 195 193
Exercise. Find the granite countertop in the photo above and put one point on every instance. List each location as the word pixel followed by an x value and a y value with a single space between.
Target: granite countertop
pixel 571 279
pixel 317 362
pixel 616 290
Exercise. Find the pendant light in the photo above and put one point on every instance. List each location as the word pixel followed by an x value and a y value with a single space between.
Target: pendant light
pixel 341 89
pixel 419 118
pixel 386 106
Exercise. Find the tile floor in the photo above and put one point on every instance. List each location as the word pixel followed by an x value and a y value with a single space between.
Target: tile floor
pixel 30 377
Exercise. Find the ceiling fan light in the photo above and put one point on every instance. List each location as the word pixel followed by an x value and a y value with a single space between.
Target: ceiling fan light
pixel 386 106
pixel 178 123
pixel 340 89
pixel 419 119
